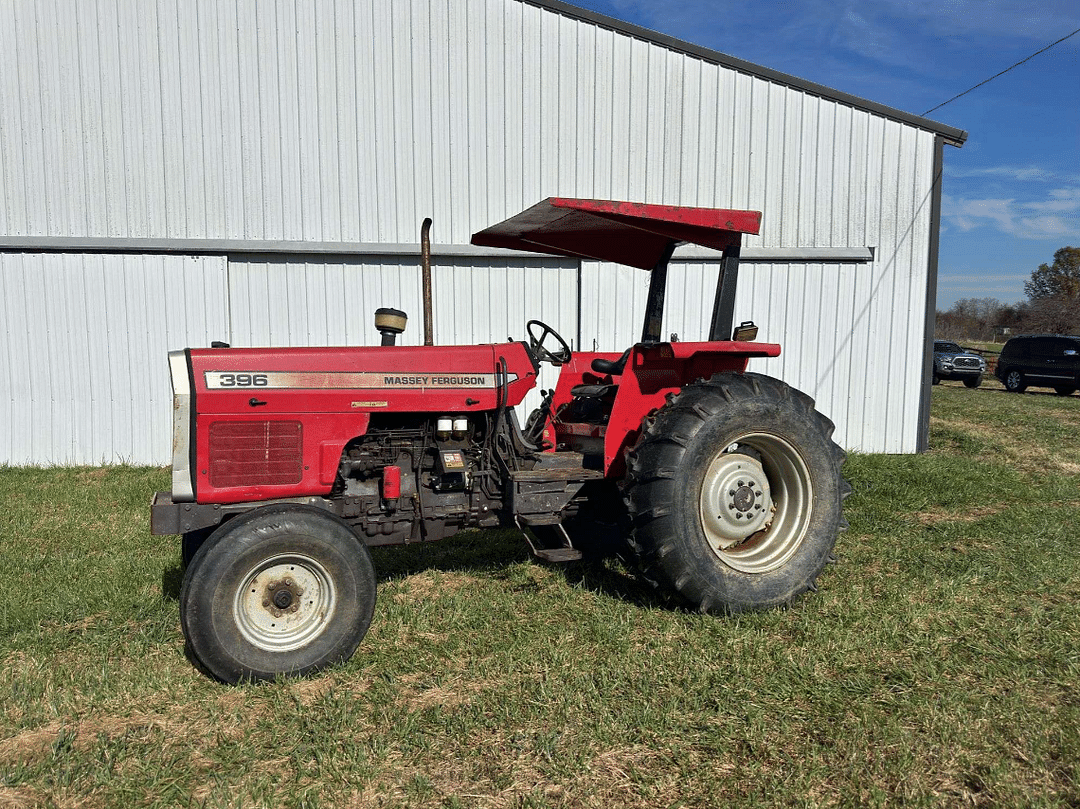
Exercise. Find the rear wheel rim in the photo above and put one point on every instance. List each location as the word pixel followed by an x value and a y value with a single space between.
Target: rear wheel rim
pixel 284 602
pixel 755 503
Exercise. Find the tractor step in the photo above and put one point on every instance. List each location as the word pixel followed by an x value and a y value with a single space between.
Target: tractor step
pixel 558 554
pixel 563 550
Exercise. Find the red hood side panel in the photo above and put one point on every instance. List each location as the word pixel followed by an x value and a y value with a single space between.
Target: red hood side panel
pixel 273 422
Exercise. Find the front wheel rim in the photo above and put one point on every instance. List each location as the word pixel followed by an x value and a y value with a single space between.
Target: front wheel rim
pixel 755 503
pixel 284 602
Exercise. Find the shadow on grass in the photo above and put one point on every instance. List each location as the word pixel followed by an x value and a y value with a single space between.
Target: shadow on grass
pixel 496 552
pixel 468 551
pixel 172 579
pixel 490 552
pixel 611 578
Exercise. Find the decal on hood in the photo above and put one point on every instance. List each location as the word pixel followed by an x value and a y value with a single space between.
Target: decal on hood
pixel 346 380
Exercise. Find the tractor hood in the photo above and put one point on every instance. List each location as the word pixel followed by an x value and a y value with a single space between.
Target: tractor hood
pixel 630 233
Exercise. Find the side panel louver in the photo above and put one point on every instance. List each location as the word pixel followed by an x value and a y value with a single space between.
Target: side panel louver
pixel 255 453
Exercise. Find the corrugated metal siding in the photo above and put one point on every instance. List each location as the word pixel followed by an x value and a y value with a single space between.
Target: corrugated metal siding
pixel 820 313
pixel 824 315
pixel 353 121
pixel 333 121
pixel 83 376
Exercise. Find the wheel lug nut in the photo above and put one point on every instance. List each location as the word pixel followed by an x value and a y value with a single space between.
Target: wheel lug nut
pixel 266 603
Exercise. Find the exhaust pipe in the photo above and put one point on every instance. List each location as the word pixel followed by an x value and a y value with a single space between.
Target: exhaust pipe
pixel 425 266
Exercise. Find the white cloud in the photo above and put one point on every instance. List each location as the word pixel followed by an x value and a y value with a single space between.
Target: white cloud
pixel 1005 19
pixel 1021 173
pixel 1056 217
pixel 1063 200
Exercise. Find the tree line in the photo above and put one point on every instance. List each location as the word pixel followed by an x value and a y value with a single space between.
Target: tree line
pixel 1052 306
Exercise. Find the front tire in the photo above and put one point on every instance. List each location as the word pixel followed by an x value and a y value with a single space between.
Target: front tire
pixel 1014 382
pixel 973 382
pixel 283 590
pixel 736 494
pixel 1065 390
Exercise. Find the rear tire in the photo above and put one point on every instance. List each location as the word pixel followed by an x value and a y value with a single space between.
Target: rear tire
pixel 283 590
pixel 736 494
pixel 1014 382
pixel 1065 390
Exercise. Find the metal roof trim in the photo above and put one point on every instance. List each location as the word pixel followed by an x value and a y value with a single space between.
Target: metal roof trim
pixel 951 135
pixel 361 250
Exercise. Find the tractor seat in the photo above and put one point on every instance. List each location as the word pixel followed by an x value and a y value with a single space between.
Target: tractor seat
pixel 613 367
pixel 605 367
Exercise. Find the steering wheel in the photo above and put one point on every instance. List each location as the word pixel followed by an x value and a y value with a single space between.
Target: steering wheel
pixel 536 344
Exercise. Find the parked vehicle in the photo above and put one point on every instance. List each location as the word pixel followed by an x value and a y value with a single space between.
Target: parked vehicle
pixel 289 462
pixel 953 362
pixel 1041 361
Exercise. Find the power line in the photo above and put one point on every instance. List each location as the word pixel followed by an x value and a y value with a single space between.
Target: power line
pixel 1002 73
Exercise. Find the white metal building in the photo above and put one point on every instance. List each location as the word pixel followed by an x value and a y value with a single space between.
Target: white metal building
pixel 179 171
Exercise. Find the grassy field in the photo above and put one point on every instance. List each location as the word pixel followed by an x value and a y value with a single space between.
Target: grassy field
pixel 938 665
pixel 988 349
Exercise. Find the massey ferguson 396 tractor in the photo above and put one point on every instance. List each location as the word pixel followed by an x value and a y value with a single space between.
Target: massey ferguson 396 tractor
pixel 724 487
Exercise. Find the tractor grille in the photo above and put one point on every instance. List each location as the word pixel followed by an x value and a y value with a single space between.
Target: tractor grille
pixel 255 453
pixel 965 362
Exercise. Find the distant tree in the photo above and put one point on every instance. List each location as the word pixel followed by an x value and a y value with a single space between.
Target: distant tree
pixel 1060 279
pixel 973 319
pixel 1053 315
pixel 1054 294
pixel 1010 316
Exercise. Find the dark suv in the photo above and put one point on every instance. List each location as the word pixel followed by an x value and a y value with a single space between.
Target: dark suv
pixel 953 362
pixel 1041 360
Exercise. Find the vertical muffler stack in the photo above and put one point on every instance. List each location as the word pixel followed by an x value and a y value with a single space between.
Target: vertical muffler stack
pixel 425 267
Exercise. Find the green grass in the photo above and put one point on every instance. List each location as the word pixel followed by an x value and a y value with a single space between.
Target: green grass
pixel 988 348
pixel 938 665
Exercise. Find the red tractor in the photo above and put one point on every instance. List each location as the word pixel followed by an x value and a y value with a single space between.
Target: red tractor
pixel 722 486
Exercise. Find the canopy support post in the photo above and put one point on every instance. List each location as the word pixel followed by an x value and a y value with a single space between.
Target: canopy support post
pixel 654 307
pixel 723 314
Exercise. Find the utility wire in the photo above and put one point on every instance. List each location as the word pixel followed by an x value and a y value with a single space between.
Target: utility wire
pixel 1002 73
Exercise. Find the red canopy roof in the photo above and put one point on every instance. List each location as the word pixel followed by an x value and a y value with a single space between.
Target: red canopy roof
pixel 630 233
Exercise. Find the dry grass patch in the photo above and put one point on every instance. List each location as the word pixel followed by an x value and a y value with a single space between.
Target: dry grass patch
pixel 32 745
pixel 20 798
pixel 934 516
pixel 431 584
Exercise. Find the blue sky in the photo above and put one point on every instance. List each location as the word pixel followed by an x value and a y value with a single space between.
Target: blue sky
pixel 1012 193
